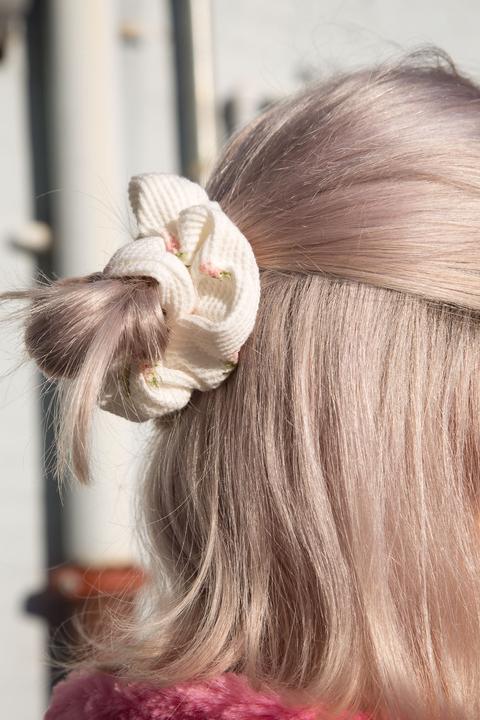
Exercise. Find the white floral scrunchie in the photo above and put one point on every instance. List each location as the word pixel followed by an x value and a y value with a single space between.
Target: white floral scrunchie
pixel 209 289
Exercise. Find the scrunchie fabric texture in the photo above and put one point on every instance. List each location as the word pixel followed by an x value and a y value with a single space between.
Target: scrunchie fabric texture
pixel 209 292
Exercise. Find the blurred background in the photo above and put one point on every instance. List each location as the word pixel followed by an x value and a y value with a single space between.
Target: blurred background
pixel 92 92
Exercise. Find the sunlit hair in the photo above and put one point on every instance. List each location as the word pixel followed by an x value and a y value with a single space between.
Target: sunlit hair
pixel 313 521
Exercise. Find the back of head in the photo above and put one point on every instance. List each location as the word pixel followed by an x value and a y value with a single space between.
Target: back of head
pixel 315 515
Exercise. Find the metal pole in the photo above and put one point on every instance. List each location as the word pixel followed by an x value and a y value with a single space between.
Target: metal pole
pixel 88 187
pixel 194 61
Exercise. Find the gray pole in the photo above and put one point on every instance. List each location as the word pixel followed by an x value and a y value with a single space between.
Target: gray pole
pixel 89 186
pixel 197 121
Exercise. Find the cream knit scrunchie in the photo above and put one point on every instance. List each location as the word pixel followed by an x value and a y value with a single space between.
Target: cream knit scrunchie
pixel 209 286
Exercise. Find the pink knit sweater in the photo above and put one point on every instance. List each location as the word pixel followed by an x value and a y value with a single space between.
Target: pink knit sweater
pixel 99 696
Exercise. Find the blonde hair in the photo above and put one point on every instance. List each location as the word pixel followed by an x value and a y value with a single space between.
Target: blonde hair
pixel 312 522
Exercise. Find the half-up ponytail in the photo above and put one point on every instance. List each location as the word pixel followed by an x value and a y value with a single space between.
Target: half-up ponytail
pixel 313 522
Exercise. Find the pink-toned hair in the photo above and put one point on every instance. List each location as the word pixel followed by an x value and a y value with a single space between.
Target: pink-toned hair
pixel 313 522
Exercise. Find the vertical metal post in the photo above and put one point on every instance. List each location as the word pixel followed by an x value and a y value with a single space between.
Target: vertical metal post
pixel 197 117
pixel 43 602
pixel 88 176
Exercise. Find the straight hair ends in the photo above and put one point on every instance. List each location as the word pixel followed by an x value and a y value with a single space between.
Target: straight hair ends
pixel 313 521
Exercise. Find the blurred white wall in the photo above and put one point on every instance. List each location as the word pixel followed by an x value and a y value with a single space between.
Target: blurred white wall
pixel 265 49
pixel 262 50
pixel 21 522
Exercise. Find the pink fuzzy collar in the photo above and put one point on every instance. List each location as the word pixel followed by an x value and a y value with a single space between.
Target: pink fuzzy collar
pixel 98 696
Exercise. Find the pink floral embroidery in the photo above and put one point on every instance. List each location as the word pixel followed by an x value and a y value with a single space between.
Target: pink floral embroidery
pixel 213 271
pixel 172 244
pixel 149 374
